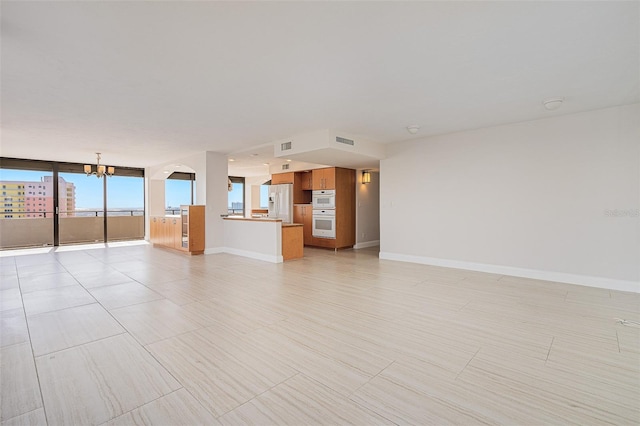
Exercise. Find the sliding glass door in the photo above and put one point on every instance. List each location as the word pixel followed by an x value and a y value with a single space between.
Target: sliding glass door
pixel 26 208
pixel 50 203
pixel 81 215
pixel 125 208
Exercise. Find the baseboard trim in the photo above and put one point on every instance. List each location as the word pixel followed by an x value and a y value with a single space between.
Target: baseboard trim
pixel 366 244
pixel 585 280
pixel 214 250
pixel 254 255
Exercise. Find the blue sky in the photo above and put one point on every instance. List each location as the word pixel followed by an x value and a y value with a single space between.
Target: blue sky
pixel 123 192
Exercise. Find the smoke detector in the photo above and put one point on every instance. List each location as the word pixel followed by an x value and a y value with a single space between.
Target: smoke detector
pixel 553 104
pixel 413 129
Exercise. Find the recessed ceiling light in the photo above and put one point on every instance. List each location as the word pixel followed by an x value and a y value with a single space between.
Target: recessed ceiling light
pixel 265 164
pixel 413 129
pixel 232 159
pixel 166 171
pixel 552 104
pixel 288 160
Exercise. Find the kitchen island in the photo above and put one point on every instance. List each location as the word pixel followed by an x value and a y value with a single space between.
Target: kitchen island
pixel 265 239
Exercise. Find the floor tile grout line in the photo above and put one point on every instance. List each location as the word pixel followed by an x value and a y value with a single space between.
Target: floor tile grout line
pixel 549 351
pixel 62 309
pixel 33 358
pixel 347 398
pixel 81 344
pixel 370 379
pixel 7 421
pixel 467 364
pixel 146 403
pixel 298 373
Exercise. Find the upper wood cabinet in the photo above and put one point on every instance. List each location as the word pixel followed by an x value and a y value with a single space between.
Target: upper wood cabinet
pixel 300 194
pixel 279 178
pixel 306 180
pixel 324 178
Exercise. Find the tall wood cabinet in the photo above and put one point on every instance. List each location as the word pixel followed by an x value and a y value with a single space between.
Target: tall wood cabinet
pixel 184 232
pixel 344 182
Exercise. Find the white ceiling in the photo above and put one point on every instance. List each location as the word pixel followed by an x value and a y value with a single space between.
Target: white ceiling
pixel 147 82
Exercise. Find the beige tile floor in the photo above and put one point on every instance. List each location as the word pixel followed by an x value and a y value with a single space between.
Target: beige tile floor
pixel 136 335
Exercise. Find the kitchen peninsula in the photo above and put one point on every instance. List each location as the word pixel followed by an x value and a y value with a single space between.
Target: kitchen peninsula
pixel 263 238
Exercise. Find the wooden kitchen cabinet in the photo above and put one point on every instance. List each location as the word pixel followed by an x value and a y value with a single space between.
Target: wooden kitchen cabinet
pixel 324 178
pixel 343 181
pixel 292 242
pixel 174 232
pixel 302 213
pixel 306 180
pixel 184 232
pixel 278 178
pixel 192 229
pixel 154 231
pixel 300 195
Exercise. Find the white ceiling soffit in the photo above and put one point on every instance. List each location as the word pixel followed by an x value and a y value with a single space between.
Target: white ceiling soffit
pixel 148 82
pixel 334 147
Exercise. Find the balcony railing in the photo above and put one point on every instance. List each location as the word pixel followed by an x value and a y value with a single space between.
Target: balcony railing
pixel 85 226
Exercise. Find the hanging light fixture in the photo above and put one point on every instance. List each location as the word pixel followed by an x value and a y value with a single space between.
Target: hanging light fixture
pixel 366 176
pixel 100 169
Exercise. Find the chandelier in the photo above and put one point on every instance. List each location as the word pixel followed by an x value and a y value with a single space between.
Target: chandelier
pixel 100 169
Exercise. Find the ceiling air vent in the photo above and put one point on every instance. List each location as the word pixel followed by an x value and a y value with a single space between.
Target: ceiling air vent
pixel 285 146
pixel 285 167
pixel 344 141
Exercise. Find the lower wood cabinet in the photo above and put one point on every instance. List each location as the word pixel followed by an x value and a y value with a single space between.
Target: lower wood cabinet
pixel 184 232
pixel 302 213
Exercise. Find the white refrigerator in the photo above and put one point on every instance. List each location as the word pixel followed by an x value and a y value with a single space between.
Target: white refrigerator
pixel 281 202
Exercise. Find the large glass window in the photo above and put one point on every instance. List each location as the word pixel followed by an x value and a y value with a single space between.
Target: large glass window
pixel 66 205
pixel 125 208
pixel 81 206
pixel 264 196
pixel 236 196
pixel 26 208
pixel 179 189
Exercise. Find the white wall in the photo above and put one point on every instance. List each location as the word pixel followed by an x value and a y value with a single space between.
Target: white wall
pixel 260 240
pixel 367 211
pixel 211 191
pixel 530 199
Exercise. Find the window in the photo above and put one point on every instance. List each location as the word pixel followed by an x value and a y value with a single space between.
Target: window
pixel 38 177
pixel 31 231
pixel 236 196
pixel 179 189
pixel 264 196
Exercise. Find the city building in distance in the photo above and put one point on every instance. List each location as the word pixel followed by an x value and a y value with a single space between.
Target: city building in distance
pixel 29 199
